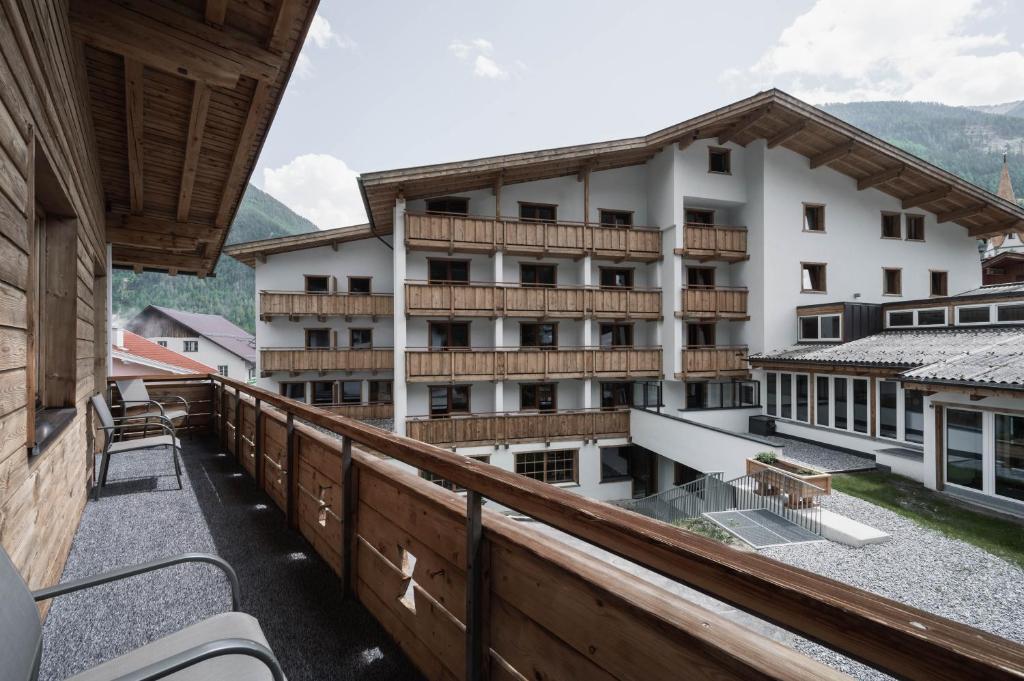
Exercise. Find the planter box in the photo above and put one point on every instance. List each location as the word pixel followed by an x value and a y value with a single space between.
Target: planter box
pixel 791 474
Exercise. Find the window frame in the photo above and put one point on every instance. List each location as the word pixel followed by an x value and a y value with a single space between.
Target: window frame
pixel 361 329
pixel 537 267
pixel 190 345
pixel 448 262
pixel 699 211
pixel 547 454
pixel 824 277
pixel 945 283
pixel 522 340
pixel 701 269
pixel 369 285
pixel 450 389
pixel 601 212
pixel 374 386
pixel 551 386
pixel 820 207
pixel 225 369
pixel 628 386
pixel 629 271
pixel 282 389
pixel 449 325
pixel 915 312
pixel 987 307
pixel 722 152
pixel 899 224
pixel 614 326
pixel 535 204
pixel 899 281
pixel 307 278
pixel 340 391
pixel 915 217
pixel 820 319
pixel 305 338
pixel 448 199
pixel 312 392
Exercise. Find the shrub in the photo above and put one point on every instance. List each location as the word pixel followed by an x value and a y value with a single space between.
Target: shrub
pixel 767 457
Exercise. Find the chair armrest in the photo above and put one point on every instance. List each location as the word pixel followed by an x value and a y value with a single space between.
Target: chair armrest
pixel 146 417
pixel 203 652
pixel 163 424
pixel 141 568
pixel 153 402
pixel 180 399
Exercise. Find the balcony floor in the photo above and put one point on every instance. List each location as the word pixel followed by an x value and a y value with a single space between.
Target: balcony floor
pixel 285 585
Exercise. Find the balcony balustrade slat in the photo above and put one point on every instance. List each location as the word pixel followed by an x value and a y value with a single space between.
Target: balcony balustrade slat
pixel 529 363
pixel 489 300
pixel 300 304
pixel 326 359
pixel 714 242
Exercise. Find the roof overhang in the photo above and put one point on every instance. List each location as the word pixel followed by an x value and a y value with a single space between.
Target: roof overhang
pixel 779 118
pixel 252 251
pixel 182 95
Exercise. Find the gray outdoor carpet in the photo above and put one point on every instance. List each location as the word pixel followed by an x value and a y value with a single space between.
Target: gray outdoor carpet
pixel 285 585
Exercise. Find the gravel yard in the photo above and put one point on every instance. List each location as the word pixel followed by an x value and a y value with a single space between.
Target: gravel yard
pixel 821 458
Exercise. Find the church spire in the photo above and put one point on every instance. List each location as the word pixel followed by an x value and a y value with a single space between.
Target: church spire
pixel 1005 190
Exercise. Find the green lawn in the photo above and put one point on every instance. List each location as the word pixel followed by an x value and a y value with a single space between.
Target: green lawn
pixel 936 511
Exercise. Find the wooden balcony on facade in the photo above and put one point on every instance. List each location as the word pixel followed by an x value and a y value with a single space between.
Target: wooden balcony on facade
pixel 714 302
pixel 361 410
pixel 480 234
pixel 322 360
pixel 295 304
pixel 520 364
pixel 714 242
pixel 502 428
pixel 424 299
pixel 714 361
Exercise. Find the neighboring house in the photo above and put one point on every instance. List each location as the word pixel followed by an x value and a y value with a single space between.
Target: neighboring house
pixel 1003 259
pixel 209 338
pixel 134 355
pixel 937 395
pixel 514 308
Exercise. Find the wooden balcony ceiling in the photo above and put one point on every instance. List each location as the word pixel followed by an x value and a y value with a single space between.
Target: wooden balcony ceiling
pixel 182 93
pixel 251 251
pixel 773 115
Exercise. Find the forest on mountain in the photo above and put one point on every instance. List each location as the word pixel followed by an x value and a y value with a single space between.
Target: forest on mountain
pixel 231 293
pixel 966 141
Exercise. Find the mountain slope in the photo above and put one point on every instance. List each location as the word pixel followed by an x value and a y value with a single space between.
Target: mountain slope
pixel 231 292
pixel 964 141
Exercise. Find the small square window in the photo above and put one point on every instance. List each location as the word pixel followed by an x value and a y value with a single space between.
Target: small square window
pixel 360 339
pixel 190 346
pixel 892 281
pixel 812 277
pixel 381 392
pixel 809 328
pixel 719 160
pixel 891 228
pixel 360 285
pixel 318 283
pixel 538 212
pixel 915 228
pixel 939 283
pixel 162 343
pixel 814 218
pixel 616 218
pixel 222 369
pixel 616 277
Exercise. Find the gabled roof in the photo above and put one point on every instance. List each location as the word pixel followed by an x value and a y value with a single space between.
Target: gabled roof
pixel 215 328
pixel 780 118
pixel 136 349
pixel 251 251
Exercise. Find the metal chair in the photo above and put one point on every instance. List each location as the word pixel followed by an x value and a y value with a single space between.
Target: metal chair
pixel 133 392
pixel 226 647
pixel 115 427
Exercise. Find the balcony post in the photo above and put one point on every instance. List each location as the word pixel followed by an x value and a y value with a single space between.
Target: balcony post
pixel 476 643
pixel 348 491
pixel 257 443
pixel 238 425
pixel 291 472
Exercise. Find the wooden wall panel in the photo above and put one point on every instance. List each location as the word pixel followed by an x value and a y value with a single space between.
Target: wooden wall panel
pixel 43 109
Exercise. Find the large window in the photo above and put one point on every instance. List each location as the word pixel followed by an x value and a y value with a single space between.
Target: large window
pixel 821 395
pixel 913 416
pixel 802 396
pixel 350 392
pixel 616 277
pixel 825 327
pixel 616 335
pixel 888 409
pixel 444 335
pixel 553 467
pixel 964 448
pixel 533 335
pixel 448 271
pixel 449 399
pixel 771 399
pixel 1009 455
pixel 614 464
pixel 448 204
pixel 616 218
pixel 538 397
pixel 538 212
pixel 544 276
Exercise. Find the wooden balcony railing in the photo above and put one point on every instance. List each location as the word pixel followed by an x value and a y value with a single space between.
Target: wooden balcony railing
pixel 326 359
pixel 502 428
pixel 545 609
pixel 321 305
pixel 362 410
pixel 502 300
pixel 714 302
pixel 477 234
pixel 714 242
pixel 518 363
pixel 713 361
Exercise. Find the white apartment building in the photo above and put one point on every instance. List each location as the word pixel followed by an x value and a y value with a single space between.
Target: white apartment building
pixel 521 304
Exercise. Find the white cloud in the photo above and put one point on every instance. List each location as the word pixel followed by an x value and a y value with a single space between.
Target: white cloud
pixel 484 66
pixel 885 49
pixel 322 36
pixel 319 187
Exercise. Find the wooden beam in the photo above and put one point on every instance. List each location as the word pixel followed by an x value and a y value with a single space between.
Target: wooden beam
pixel 926 197
pixel 171 41
pixel 787 133
pixel 960 213
pixel 688 139
pixel 880 177
pixel 133 104
pixel 834 154
pixel 287 11
pixel 239 162
pixel 194 143
pixel 216 11
pixel 202 233
pixel 744 123
pixel 150 239
pixel 139 259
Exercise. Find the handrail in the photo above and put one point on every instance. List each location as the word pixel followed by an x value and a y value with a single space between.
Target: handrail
pixel 509 218
pixel 713 287
pixel 702 224
pixel 531 348
pixel 519 285
pixel 332 349
pixel 329 293
pixel 531 412
pixel 888 635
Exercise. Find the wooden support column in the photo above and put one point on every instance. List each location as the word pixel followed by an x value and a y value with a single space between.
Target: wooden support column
pixel 348 492
pixel 476 642
pixel 585 176
pixel 499 181
pixel 291 473
pixel 257 443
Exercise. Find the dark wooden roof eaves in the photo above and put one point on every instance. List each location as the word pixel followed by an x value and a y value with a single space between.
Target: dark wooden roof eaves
pixel 247 252
pixel 771 113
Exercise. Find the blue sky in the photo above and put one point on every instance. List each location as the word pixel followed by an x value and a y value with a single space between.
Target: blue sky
pixel 390 84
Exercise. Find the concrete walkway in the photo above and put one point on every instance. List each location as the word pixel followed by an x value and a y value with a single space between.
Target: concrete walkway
pixel 285 585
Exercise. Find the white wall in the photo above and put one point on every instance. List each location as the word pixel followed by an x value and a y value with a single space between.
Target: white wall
pixel 208 353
